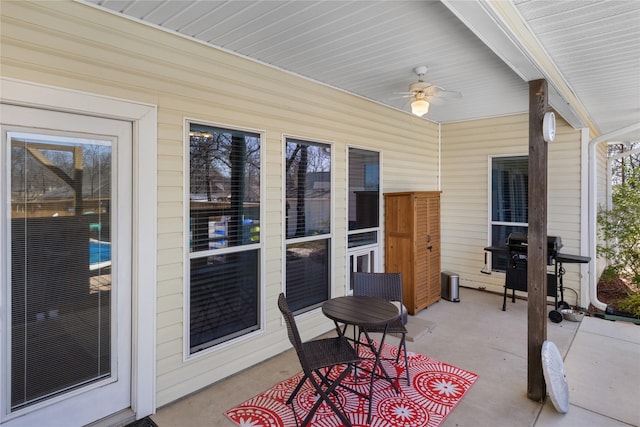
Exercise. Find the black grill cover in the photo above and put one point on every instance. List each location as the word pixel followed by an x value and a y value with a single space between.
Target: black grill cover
pixel 517 242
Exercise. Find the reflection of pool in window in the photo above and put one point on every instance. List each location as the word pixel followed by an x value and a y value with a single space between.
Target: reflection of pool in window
pixel 99 254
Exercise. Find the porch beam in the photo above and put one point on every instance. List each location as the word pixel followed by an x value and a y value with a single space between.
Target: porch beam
pixel 537 241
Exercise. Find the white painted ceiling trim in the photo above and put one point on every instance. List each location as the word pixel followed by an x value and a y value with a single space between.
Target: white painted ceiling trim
pixel 499 25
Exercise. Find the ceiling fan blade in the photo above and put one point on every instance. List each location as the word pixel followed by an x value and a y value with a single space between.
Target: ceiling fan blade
pixel 438 92
pixel 401 96
pixel 435 100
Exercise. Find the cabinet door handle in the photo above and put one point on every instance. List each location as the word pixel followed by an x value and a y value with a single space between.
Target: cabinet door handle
pixel 429 247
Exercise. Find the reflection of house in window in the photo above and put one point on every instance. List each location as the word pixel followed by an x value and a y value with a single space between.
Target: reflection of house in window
pixel 364 189
pixel 363 211
pixel 372 177
pixel 309 211
pixel 308 226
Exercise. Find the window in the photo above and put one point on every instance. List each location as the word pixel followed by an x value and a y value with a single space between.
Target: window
pixel 364 211
pixel 364 189
pixel 224 234
pixel 62 230
pixel 308 223
pixel 509 202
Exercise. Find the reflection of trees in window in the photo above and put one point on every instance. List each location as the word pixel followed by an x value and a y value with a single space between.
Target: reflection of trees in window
pixel 97 170
pixel 223 162
pixel 308 204
pixel 308 187
pixel 48 171
pixel 224 187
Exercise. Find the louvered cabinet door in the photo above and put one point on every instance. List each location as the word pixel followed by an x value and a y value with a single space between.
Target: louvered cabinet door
pixel 399 244
pixel 412 245
pixel 433 249
pixel 421 256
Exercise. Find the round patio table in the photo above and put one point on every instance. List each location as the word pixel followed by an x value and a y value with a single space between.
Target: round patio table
pixel 364 312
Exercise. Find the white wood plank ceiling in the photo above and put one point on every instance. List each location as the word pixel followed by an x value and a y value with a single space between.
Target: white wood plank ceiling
pixel 589 51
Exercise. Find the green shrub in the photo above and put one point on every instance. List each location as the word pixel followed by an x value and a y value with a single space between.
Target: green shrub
pixel 631 304
pixel 609 273
pixel 620 228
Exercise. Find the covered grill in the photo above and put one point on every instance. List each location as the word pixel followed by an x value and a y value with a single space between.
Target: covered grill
pixel 516 273
pixel 516 277
pixel 517 244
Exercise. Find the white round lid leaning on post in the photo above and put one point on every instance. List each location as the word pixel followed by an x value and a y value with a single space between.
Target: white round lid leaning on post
pixel 554 377
pixel 549 127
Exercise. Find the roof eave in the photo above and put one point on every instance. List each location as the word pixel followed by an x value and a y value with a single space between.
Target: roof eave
pixel 499 25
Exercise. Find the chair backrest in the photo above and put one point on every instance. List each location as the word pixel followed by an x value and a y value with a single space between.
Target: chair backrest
pixel 380 285
pixel 292 328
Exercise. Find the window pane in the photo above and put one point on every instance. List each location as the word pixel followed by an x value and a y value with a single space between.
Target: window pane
pixel 224 188
pixel 361 239
pixel 510 176
pixel 60 265
pixel 510 198
pixel 224 202
pixel 224 298
pixel 308 188
pixel 307 274
pixel 364 189
pixel 361 261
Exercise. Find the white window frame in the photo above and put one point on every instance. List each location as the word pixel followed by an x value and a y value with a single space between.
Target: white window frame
pixel 490 222
pixel 188 255
pixel 357 251
pixel 330 236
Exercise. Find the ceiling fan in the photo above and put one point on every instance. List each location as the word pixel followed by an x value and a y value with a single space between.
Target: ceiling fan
pixel 423 93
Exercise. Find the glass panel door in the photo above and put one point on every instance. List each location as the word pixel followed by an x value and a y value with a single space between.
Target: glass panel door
pixel 66 267
pixel 60 265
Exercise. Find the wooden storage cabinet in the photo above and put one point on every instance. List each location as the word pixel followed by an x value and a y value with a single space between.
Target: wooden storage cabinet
pixel 412 245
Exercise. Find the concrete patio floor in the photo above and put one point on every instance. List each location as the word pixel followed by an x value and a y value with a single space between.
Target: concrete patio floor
pixel 601 361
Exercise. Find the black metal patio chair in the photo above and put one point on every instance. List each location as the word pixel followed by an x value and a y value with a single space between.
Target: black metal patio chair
pixel 318 359
pixel 387 286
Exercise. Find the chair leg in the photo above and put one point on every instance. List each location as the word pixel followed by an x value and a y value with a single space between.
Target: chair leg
pixel 324 397
pixel 403 345
pixel 296 390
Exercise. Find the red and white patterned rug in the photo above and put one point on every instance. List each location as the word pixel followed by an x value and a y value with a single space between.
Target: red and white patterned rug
pixel 436 388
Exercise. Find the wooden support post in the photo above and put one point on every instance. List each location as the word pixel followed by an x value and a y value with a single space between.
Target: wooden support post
pixel 537 241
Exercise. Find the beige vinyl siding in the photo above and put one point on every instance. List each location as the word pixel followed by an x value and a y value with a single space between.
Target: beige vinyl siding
pixel 71 45
pixel 466 151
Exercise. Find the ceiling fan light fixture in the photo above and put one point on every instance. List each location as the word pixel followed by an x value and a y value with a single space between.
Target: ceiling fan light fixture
pixel 420 107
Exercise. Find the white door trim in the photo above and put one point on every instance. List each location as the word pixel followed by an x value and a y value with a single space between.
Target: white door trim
pixel 144 162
